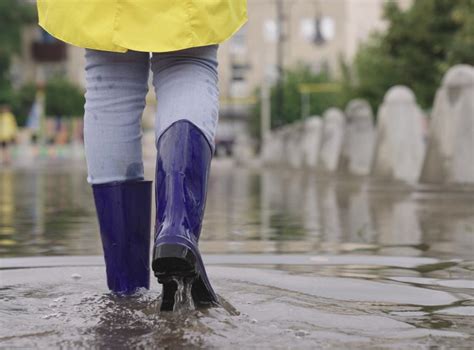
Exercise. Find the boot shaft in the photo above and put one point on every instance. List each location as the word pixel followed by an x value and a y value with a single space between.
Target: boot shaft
pixel 182 172
pixel 124 213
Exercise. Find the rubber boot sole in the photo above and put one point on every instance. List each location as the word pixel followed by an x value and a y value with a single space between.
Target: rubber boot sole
pixel 174 261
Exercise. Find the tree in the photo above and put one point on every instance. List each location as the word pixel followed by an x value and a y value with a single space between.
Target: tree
pixel 417 49
pixel 64 99
pixel 22 102
pixel 294 77
pixel 462 47
pixel 14 14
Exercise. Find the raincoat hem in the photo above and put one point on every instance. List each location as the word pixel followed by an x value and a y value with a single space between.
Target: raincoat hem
pixel 122 47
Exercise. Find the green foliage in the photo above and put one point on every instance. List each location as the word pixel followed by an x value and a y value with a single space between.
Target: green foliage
pixel 291 111
pixel 64 99
pixel 462 47
pixel 14 14
pixel 417 49
pixel 22 102
pixel 6 91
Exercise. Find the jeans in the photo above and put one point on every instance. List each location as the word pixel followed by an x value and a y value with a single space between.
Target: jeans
pixel 185 84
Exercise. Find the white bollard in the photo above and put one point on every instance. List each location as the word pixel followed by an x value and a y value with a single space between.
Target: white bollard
pixel 311 141
pixel 268 148
pixel 294 150
pixel 360 138
pixel 450 154
pixel 333 137
pixel 400 148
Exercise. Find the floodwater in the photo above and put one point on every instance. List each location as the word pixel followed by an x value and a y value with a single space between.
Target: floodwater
pixel 299 261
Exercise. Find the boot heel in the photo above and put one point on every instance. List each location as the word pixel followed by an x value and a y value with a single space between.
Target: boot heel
pixel 171 263
pixel 173 260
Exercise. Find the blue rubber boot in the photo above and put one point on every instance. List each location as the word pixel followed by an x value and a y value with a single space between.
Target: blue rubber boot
pixel 182 170
pixel 124 213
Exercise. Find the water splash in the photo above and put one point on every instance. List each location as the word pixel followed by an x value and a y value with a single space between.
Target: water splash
pixel 183 299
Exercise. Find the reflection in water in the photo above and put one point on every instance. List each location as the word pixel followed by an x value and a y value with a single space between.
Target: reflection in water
pixel 315 262
pixel 49 211
pixel 360 223
pixel 406 228
pixel 331 215
pixel 7 207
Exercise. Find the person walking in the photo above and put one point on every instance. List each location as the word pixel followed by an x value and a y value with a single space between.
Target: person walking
pixel 8 131
pixel 178 41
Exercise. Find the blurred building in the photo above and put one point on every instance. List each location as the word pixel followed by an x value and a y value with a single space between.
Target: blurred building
pixel 43 57
pixel 317 32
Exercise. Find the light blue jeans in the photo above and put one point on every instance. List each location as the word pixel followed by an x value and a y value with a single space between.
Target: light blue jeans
pixel 185 85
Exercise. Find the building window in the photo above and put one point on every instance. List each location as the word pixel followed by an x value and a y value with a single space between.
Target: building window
pixel 238 41
pixel 238 71
pixel 318 30
pixel 46 48
pixel 270 31
pixel 307 29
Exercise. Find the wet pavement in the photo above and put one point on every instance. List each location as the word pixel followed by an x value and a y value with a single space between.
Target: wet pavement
pixel 300 261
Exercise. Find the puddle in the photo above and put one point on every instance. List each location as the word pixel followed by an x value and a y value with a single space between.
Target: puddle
pixel 298 261
pixel 50 307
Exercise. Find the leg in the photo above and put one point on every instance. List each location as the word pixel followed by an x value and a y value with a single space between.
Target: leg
pixel 186 89
pixel 116 88
pixel 8 157
pixel 3 152
pixel 117 84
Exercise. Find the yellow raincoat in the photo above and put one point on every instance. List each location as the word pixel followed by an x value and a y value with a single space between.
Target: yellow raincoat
pixel 8 127
pixel 142 25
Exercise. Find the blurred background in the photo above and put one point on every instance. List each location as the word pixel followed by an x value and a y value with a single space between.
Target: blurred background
pixel 309 54
pixel 302 85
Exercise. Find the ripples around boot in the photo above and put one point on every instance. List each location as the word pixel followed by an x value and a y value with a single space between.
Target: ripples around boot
pixel 337 304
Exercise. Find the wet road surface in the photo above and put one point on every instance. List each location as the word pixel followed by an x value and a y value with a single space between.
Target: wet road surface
pixel 299 261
